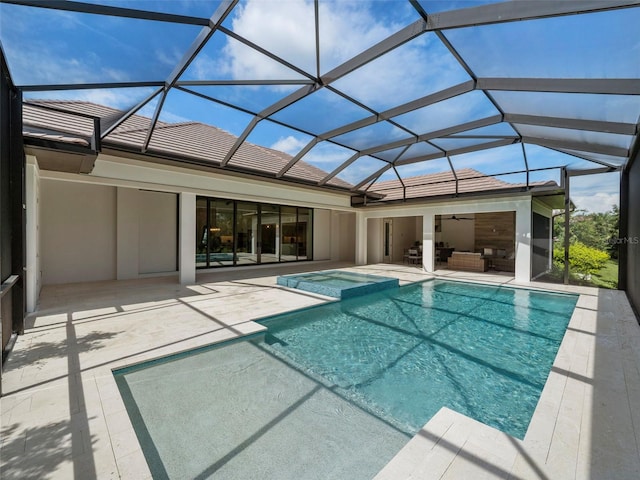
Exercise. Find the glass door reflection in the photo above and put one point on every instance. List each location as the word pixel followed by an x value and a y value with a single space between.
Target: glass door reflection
pixel 269 234
pixel 246 233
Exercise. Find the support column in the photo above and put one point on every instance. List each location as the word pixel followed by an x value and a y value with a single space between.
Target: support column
pixel 567 224
pixel 187 238
pixel 32 181
pixel 361 239
pixel 523 242
pixel 428 237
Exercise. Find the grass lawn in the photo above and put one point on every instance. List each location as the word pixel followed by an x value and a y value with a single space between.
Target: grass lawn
pixel 607 277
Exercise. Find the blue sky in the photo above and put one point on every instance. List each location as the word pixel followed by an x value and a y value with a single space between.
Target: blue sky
pixel 70 47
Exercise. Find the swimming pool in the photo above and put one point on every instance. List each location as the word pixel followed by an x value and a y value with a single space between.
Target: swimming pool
pixel 483 351
pixel 335 391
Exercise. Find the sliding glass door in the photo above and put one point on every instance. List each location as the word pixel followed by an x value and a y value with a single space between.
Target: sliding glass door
pixel 230 232
pixel 221 233
pixel 297 233
pixel 304 233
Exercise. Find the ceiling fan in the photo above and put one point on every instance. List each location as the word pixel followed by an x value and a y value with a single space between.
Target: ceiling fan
pixel 453 217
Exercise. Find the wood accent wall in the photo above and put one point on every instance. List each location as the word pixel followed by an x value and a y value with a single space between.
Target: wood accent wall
pixel 503 238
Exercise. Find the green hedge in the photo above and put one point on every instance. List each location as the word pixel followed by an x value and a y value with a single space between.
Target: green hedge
pixel 582 259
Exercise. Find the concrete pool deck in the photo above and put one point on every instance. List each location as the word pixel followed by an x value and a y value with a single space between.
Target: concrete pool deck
pixel 62 416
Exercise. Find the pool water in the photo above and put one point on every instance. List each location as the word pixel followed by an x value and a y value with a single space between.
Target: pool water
pixel 483 351
pixel 335 391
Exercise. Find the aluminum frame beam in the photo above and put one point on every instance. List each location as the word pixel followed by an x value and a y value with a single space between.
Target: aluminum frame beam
pixel 483 122
pixel 94 9
pixel 581 146
pixel 606 86
pixel 458 151
pixel 265 52
pixel 585 158
pixel 573 123
pixel 276 107
pixel 397 39
pixel 128 114
pixel 222 12
pixel 503 12
pixel 154 120
pixel 89 86
pixel 374 176
pixel 214 83
pixel 339 169
pixel 591 171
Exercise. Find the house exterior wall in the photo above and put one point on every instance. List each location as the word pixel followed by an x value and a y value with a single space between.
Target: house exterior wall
pixel 148 176
pixel 158 232
pixel 322 234
pixel 128 210
pixel 147 229
pixel 458 234
pixel 78 223
pixel 374 240
pixel 347 237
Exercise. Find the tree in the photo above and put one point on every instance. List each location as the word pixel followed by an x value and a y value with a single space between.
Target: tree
pixel 595 230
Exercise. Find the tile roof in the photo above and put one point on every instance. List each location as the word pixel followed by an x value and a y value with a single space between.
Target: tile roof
pixel 189 140
pixel 435 184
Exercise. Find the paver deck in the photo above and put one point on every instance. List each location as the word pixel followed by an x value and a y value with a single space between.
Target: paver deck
pixel 62 416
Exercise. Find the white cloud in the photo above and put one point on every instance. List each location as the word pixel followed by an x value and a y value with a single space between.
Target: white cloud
pixel 290 145
pixel 595 193
pixel 361 169
pixel 120 98
pixel 346 29
pixel 204 68
pixel 167 116
pixel 53 69
pixel 287 31
pixel 169 56
pixel 598 202
pixel 327 155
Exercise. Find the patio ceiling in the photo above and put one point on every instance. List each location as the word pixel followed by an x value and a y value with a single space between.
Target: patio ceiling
pixel 368 92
